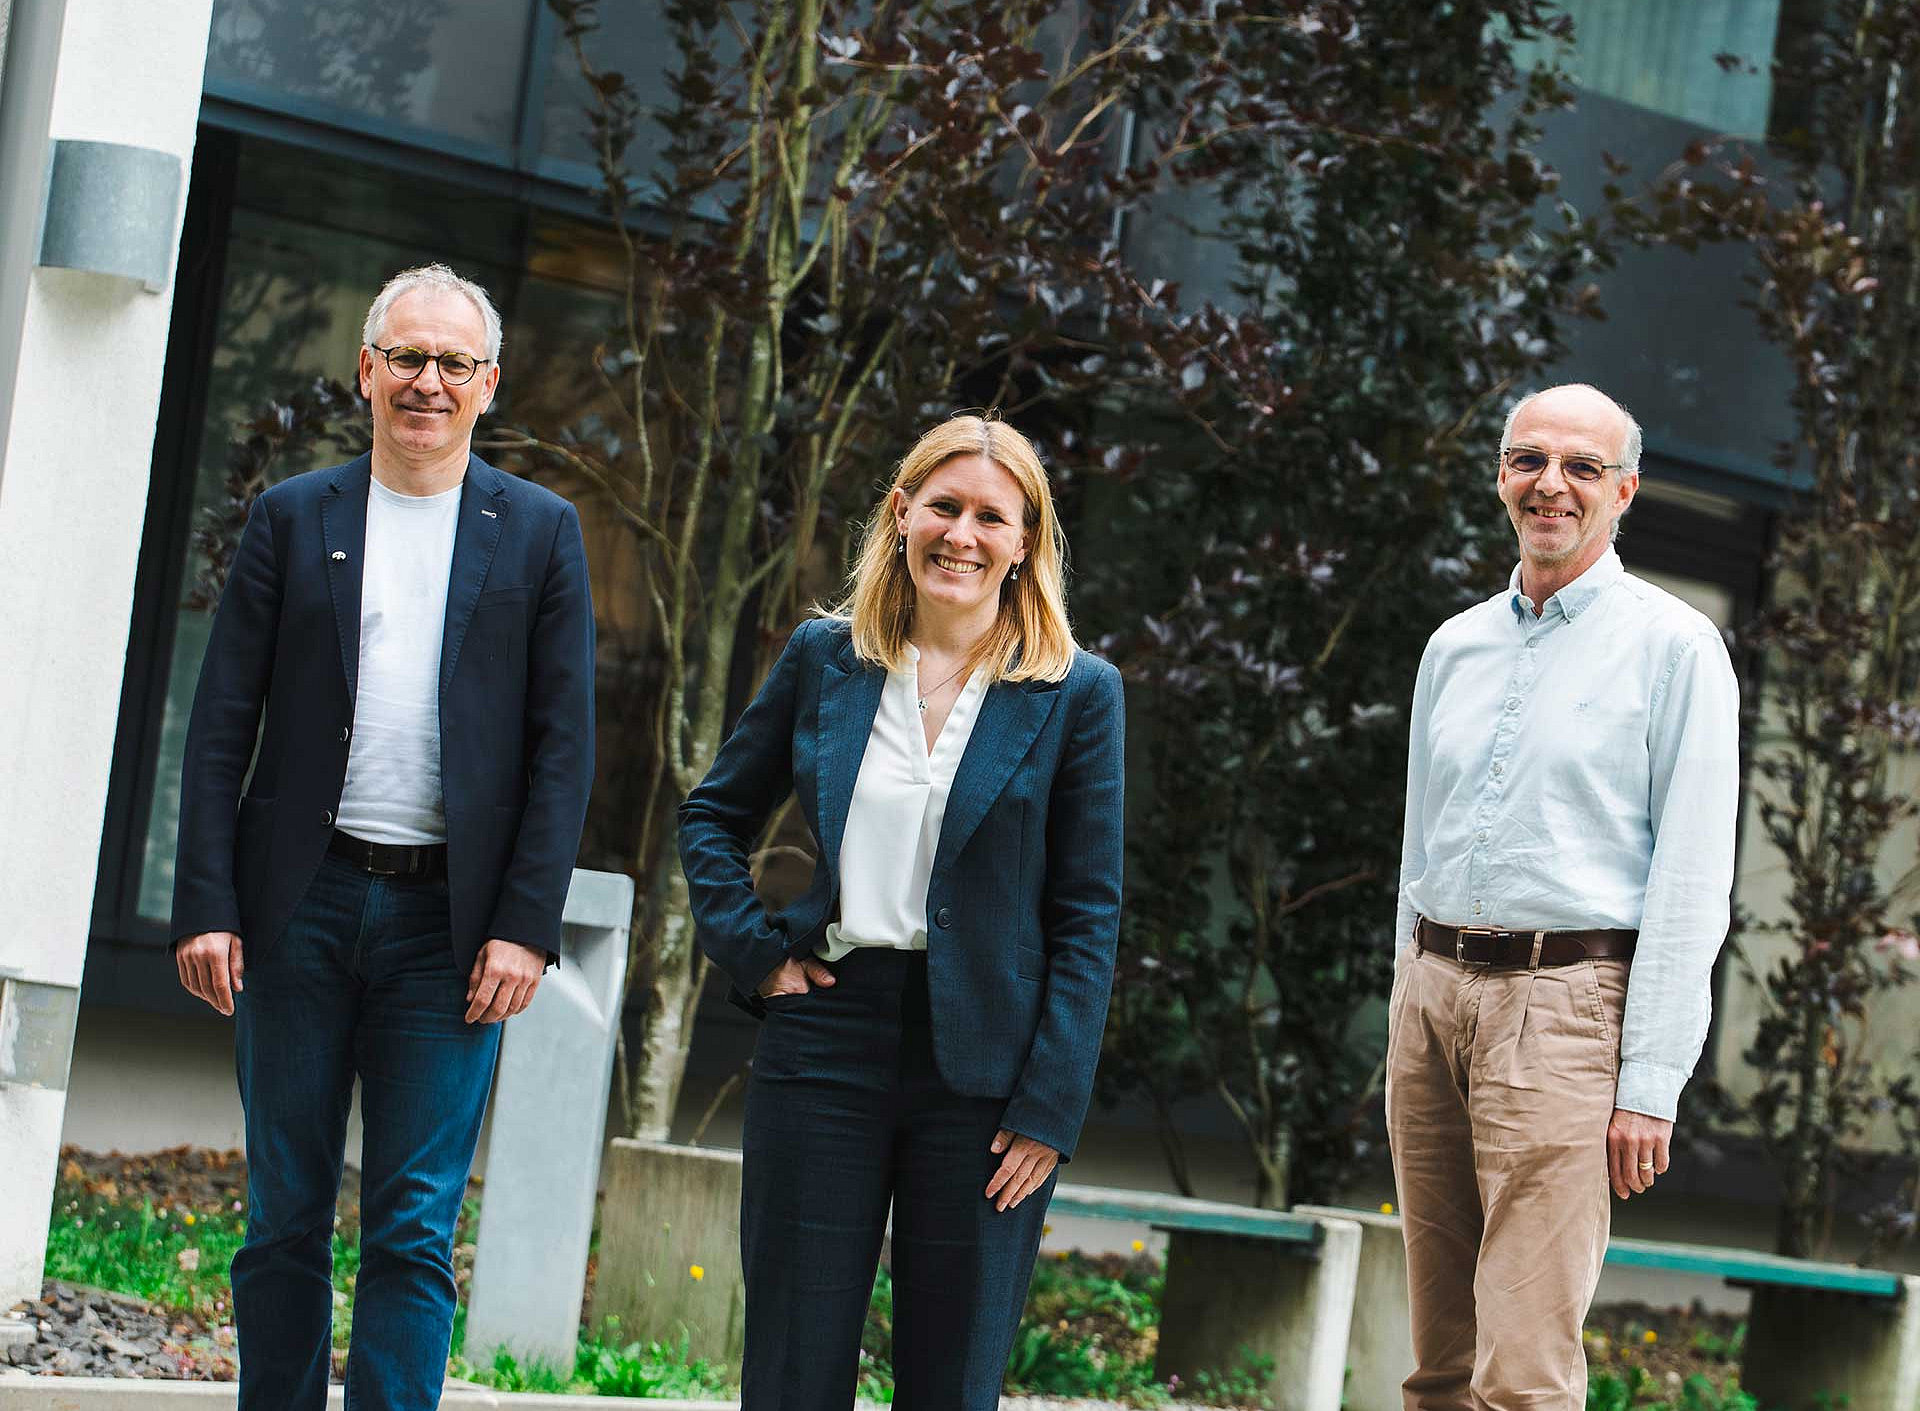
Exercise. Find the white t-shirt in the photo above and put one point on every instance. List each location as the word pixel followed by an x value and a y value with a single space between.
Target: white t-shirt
pixel 893 824
pixel 392 793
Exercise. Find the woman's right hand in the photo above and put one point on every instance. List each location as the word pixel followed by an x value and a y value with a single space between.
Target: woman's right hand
pixel 796 977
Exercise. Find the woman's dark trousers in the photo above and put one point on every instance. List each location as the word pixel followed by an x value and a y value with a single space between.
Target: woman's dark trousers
pixel 846 1114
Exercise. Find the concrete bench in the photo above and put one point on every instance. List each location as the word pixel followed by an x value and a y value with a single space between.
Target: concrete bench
pixel 1275 1284
pixel 1812 1327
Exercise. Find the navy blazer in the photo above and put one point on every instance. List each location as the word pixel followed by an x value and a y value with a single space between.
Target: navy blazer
pixel 516 710
pixel 1023 909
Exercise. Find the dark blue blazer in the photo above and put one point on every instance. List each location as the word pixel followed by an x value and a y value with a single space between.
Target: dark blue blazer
pixel 1023 910
pixel 516 710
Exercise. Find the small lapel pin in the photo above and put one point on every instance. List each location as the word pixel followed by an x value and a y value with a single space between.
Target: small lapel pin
pixel 339 555
pixel 491 514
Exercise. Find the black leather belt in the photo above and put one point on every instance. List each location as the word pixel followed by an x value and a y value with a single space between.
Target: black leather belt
pixel 417 862
pixel 1522 950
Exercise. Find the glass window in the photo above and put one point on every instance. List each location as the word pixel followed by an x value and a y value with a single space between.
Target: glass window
pixel 1664 57
pixel 436 68
pixel 633 40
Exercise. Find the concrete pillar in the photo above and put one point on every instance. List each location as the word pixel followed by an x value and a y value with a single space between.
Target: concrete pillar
pixel 670 1248
pixel 1226 1295
pixel 1380 1341
pixel 81 356
pixel 1837 1349
pixel 543 1148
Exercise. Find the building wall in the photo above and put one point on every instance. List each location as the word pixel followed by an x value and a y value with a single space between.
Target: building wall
pixel 79 403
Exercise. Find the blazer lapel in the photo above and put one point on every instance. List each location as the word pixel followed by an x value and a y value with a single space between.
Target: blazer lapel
pixel 483 511
pixel 849 701
pixel 343 532
pixel 1010 719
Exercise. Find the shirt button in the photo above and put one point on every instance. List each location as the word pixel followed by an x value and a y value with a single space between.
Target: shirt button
pixel 1476 908
pixel 1498 769
pixel 326 818
pixel 943 918
pixel 1481 835
pixel 1513 703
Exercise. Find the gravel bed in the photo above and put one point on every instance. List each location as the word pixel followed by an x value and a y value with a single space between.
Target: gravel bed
pixel 82 1332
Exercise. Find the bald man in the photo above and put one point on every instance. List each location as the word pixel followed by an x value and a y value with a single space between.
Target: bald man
pixel 1572 784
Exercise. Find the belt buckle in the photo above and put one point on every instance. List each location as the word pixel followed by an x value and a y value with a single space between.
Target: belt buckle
pixel 1460 934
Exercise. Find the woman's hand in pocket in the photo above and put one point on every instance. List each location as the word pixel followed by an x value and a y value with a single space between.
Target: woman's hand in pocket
pixel 796 977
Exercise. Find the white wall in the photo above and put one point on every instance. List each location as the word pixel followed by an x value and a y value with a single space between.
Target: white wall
pixel 80 365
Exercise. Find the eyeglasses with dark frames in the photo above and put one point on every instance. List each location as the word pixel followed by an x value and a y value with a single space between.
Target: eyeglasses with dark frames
pixel 1526 462
pixel 408 363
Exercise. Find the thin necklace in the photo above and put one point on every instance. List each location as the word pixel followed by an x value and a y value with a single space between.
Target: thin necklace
pixel 950 675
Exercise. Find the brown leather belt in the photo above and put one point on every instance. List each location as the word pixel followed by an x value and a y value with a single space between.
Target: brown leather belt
pixel 416 862
pixel 1522 950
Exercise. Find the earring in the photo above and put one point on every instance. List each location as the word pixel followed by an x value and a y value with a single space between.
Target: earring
pixel 903 543
pixel 1013 574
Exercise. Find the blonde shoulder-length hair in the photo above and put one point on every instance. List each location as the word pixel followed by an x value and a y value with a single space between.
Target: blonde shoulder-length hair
pixel 1031 640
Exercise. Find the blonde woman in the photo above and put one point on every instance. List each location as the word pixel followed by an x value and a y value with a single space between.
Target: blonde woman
pixel 933 1004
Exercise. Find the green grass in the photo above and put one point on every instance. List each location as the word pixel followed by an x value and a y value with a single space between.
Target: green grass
pixel 607 1367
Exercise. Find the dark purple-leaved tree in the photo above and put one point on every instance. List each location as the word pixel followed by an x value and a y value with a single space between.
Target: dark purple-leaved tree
pixel 856 219
pixel 1836 249
pixel 1323 497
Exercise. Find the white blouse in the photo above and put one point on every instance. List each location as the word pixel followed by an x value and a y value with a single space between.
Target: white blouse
pixel 893 823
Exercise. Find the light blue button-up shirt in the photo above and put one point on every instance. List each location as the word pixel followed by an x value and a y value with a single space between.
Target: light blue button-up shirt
pixel 1581 769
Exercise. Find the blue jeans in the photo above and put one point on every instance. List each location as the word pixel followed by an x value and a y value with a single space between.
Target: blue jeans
pixel 361 984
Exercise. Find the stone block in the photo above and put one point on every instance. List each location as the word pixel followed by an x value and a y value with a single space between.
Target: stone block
pixel 1229 1295
pixel 1859 1351
pixel 1380 1341
pixel 670 1248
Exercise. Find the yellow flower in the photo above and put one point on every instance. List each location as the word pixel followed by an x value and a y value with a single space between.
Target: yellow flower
pixel 1139 1245
pixel 697 1270
pixel 1061 1255
pixel 187 1218
pixel 1649 1336
pixel 1386 1207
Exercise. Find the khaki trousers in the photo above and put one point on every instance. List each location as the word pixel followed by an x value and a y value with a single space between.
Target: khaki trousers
pixel 1500 1086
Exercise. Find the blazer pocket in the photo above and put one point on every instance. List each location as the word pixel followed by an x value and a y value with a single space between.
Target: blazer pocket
pixel 502 595
pixel 1030 963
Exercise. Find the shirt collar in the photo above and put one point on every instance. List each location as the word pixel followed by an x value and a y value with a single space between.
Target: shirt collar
pixel 1578 595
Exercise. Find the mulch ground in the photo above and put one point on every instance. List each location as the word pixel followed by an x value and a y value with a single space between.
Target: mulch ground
pixel 1683 1342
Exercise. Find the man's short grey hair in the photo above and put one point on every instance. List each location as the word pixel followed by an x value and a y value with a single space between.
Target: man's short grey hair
pixel 439 277
pixel 1629 449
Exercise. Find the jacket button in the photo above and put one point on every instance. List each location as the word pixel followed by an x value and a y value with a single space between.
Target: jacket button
pixel 326 817
pixel 346 733
pixel 943 918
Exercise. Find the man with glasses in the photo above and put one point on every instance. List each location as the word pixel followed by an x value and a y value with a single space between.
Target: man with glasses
pixel 416 628
pixel 1572 784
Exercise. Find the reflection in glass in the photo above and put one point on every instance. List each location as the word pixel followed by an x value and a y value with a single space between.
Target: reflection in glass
pixel 1663 57
pixel 447 68
pixel 632 39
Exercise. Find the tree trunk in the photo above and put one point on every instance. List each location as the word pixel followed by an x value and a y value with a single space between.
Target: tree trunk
pixel 662 1062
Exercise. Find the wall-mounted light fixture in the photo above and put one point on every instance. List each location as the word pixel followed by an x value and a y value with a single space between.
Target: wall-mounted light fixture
pixel 110 210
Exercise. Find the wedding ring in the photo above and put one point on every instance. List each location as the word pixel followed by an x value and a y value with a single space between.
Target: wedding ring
pixel 1646 1165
